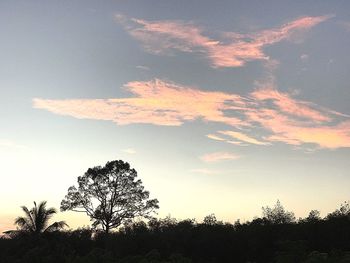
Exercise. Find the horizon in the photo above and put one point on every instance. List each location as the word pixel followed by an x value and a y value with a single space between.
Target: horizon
pixel 220 108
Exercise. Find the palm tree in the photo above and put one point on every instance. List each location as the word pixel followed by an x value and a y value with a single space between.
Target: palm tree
pixel 36 220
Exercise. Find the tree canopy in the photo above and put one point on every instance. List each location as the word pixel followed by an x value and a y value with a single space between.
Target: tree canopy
pixel 110 195
pixel 277 214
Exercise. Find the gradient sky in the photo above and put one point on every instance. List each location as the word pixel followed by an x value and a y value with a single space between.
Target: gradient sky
pixel 221 106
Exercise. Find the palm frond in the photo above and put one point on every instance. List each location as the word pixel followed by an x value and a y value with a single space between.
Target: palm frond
pixel 29 215
pixel 9 232
pixel 49 213
pixel 13 233
pixel 56 226
pixel 26 210
pixel 23 223
pixel 39 214
pixel 41 207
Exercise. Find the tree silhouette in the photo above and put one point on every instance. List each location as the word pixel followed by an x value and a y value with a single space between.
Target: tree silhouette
pixel 210 219
pixel 36 220
pixel 313 216
pixel 277 214
pixel 343 211
pixel 167 240
pixel 110 195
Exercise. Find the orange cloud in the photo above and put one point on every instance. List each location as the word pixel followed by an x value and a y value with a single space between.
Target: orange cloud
pixel 155 102
pixel 291 131
pixel 326 137
pixel 233 50
pixel 158 102
pixel 219 156
pixel 289 105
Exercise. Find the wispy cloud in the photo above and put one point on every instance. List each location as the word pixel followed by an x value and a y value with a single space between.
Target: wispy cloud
pixel 243 137
pixel 5 143
pixel 236 143
pixel 269 114
pixel 129 151
pixel 288 105
pixel 215 137
pixel 296 132
pixel 219 156
pixel 231 50
pixel 156 102
pixel 304 57
pixel 143 67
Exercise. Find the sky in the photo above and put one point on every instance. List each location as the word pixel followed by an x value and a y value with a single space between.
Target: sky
pixel 221 106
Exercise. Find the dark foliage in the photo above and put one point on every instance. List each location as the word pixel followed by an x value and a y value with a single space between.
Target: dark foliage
pixel 265 239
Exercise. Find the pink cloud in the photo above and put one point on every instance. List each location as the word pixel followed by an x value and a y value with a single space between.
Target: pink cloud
pixel 294 132
pixel 219 156
pixel 233 50
pixel 289 105
pixel 271 115
pixel 155 102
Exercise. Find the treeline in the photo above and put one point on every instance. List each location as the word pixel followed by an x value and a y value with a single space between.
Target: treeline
pixel 275 237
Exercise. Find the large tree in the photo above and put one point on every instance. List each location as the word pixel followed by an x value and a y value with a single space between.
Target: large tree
pixel 110 195
pixel 36 220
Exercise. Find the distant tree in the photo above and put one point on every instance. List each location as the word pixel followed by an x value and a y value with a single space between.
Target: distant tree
pixel 210 220
pixel 237 224
pixel 343 211
pixel 110 196
pixel 36 220
pixel 277 214
pixel 313 216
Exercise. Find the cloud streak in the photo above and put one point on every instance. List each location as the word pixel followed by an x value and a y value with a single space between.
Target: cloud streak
pixel 8 144
pixel 243 137
pixel 231 50
pixel 215 137
pixel 129 151
pixel 269 115
pixel 155 102
pixel 218 156
pixel 288 105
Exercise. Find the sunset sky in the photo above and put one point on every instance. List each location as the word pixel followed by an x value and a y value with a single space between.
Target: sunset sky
pixel 221 106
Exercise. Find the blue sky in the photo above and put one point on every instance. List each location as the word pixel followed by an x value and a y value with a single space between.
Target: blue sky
pixel 221 107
